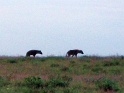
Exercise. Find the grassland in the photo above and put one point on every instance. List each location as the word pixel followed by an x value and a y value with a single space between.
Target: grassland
pixel 88 74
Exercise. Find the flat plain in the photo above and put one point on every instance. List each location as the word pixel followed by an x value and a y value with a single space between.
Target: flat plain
pixel 86 74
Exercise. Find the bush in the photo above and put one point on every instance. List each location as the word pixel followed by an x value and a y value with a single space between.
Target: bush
pixel 59 81
pixel 12 61
pixel 49 85
pixel 64 68
pixel 72 62
pixel 68 90
pixel 67 78
pixel 54 65
pixel 111 63
pixel 48 90
pixel 97 69
pixel 107 84
pixel 34 82
pixel 115 70
pixel 3 82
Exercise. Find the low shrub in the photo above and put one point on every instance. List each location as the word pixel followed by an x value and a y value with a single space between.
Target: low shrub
pixel 72 62
pixel 52 82
pixel 34 82
pixel 48 90
pixel 67 78
pixel 111 63
pixel 3 81
pixel 54 65
pixel 43 60
pixel 12 61
pixel 115 70
pixel 68 90
pixel 64 68
pixel 59 81
pixel 107 84
pixel 97 69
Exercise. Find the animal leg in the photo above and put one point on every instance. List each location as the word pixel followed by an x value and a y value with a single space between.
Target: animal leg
pixel 34 55
pixel 72 55
pixel 76 56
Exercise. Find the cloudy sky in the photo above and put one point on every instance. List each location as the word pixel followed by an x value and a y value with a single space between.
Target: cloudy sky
pixel 56 26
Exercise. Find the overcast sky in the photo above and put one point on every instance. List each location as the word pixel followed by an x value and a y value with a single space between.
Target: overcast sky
pixel 56 26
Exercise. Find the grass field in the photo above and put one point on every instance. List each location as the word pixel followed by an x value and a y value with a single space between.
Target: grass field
pixel 88 74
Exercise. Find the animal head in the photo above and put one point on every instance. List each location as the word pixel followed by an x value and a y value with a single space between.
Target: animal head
pixel 40 52
pixel 80 51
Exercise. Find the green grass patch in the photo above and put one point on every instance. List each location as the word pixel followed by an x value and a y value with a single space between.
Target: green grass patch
pixel 107 84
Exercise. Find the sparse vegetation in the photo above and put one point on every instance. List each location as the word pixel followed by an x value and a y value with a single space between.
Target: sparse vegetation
pixel 107 84
pixel 34 82
pixel 3 81
pixel 88 74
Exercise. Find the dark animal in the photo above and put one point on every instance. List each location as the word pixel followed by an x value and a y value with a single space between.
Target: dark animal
pixel 73 52
pixel 33 52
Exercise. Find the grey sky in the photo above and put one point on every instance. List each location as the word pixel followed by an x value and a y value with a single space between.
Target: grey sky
pixel 55 26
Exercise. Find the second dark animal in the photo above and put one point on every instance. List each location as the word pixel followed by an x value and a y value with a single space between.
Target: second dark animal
pixel 73 52
pixel 33 52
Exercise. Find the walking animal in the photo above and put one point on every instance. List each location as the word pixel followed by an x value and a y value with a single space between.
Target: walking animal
pixel 33 52
pixel 73 52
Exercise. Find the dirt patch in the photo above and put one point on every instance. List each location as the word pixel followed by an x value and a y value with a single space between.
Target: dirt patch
pixel 18 76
